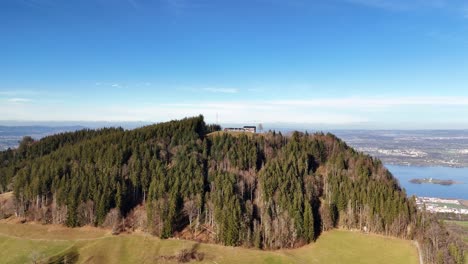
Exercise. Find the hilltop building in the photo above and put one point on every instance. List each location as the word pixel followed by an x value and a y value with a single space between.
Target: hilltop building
pixel 251 129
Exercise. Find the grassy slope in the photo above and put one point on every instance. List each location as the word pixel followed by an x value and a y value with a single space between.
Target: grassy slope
pixel 97 246
pixel 464 232
pixel 357 248
pixel 460 227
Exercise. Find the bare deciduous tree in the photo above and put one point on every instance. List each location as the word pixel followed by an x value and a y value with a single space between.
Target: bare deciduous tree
pixel 191 210
pixel 113 219
pixel 86 214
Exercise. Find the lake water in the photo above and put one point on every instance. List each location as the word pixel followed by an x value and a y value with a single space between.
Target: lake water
pixel 405 173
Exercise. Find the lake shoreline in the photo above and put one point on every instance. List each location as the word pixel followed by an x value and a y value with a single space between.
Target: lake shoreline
pixel 457 190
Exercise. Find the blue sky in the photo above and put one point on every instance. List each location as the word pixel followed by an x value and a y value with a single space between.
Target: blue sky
pixel 347 63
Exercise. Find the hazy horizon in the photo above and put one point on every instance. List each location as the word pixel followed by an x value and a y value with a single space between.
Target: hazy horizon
pixel 311 127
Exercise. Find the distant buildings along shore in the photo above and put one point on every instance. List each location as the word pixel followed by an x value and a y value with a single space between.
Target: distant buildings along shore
pixel 439 205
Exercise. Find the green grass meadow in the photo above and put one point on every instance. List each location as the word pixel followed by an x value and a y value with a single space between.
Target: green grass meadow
pixel 21 243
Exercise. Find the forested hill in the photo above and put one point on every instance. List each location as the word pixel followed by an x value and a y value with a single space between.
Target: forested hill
pixel 175 179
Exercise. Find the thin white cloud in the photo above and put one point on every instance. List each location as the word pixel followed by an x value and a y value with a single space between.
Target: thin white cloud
pixel 134 4
pixel 178 5
pixel 254 90
pixel 143 84
pixel 317 110
pixel 231 113
pixel 376 101
pixel 332 111
pixel 384 4
pixel 19 92
pixel 19 100
pixel 221 90
pixel 116 85
pixel 123 85
pixel 406 5
pixel 336 103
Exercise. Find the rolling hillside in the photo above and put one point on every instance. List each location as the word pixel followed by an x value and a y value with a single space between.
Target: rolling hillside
pixel 265 191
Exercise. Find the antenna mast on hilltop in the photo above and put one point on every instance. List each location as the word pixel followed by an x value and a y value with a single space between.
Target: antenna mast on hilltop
pixel 217 120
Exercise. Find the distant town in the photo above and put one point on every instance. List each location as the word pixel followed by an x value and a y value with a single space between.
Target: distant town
pixel 440 205
pixel 448 148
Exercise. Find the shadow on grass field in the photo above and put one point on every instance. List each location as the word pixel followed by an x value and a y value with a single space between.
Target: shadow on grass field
pixel 23 243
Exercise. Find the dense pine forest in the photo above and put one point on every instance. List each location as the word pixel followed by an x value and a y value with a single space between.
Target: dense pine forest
pixel 178 178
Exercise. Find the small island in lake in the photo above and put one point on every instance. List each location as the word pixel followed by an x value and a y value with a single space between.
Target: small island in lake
pixel 434 181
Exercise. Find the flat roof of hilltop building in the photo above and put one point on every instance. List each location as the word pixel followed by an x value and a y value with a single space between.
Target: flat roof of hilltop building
pixel 252 129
